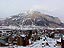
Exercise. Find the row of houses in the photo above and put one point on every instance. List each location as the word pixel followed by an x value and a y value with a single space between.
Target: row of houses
pixel 56 34
pixel 16 37
pixel 26 36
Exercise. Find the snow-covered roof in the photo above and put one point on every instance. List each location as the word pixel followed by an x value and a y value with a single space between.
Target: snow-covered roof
pixel 23 35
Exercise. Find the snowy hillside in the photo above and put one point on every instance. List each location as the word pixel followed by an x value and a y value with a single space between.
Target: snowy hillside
pixel 34 17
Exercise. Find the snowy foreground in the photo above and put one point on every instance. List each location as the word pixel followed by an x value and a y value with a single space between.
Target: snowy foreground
pixel 38 44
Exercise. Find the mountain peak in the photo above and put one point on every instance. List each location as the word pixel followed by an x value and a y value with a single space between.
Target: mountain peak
pixel 36 18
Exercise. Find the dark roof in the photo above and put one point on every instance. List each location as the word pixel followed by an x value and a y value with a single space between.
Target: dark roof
pixel 3 42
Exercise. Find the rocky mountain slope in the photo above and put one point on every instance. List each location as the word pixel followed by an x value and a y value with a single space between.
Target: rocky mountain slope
pixel 33 18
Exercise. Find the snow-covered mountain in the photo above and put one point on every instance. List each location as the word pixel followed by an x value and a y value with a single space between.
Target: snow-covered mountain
pixel 33 18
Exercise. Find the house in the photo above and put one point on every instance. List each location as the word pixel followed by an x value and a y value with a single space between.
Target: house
pixel 3 43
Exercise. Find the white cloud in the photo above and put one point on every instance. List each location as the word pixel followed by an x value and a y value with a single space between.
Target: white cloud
pixel 42 7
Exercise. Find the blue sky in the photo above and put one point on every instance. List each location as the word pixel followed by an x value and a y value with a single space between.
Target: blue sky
pixel 12 7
